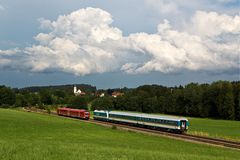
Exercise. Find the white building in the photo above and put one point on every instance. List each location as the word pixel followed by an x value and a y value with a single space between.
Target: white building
pixel 77 92
pixel 102 95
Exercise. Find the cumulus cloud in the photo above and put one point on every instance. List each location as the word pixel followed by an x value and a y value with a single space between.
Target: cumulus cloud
pixel 216 24
pixel 85 42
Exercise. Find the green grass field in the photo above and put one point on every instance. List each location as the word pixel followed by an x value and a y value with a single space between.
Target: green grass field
pixel 215 128
pixel 25 136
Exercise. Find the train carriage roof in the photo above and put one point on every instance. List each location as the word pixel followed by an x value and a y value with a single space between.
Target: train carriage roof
pixel 72 109
pixel 153 116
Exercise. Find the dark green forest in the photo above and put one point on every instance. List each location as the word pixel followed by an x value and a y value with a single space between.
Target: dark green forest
pixel 219 99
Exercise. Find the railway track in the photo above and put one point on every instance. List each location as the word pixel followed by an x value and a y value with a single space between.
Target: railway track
pixel 206 140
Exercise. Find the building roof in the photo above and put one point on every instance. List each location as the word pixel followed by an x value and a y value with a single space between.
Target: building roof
pixel 115 94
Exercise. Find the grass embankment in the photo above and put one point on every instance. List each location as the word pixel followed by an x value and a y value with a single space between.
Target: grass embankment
pixel 34 136
pixel 215 128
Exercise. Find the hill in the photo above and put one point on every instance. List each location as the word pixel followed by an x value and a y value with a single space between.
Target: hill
pixel 69 87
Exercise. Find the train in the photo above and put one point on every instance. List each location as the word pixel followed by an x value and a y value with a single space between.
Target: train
pixel 74 113
pixel 159 122
pixel 167 123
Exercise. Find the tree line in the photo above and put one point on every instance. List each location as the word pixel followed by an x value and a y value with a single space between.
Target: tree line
pixel 43 98
pixel 219 99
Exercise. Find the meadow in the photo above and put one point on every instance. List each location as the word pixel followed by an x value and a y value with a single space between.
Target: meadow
pixel 25 135
pixel 225 129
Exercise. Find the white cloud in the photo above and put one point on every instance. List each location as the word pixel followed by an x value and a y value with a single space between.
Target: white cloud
pixel 77 43
pixel 213 24
pixel 9 52
pixel 196 48
pixel 84 42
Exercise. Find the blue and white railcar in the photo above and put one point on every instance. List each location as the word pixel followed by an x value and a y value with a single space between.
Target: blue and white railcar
pixel 179 124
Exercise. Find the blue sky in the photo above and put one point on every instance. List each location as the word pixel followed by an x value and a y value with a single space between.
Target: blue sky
pixel 118 43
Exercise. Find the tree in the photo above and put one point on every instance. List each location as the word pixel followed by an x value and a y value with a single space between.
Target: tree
pixel 78 102
pixel 142 100
pixel 59 93
pixel 179 101
pixel 225 99
pixel 46 97
pixel 161 107
pixel 36 99
pixel 119 103
pixel 193 99
pixel 151 105
pixel 102 103
pixel 7 96
pixel 236 93
pixel 131 103
pixel 20 101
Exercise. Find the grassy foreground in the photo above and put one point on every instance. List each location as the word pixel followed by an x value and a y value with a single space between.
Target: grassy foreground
pixel 215 128
pixel 34 136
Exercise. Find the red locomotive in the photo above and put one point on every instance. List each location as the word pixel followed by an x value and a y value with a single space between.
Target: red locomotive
pixel 75 113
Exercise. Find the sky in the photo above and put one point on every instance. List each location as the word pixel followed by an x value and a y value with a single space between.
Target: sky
pixel 125 43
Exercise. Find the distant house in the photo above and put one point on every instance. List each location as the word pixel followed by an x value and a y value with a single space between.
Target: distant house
pixel 116 94
pixel 78 92
pixel 102 95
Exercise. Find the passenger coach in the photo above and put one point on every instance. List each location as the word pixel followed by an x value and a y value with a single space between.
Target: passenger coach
pixel 75 113
pixel 169 123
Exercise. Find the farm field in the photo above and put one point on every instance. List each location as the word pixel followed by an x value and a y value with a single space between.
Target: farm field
pixel 35 136
pixel 215 128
